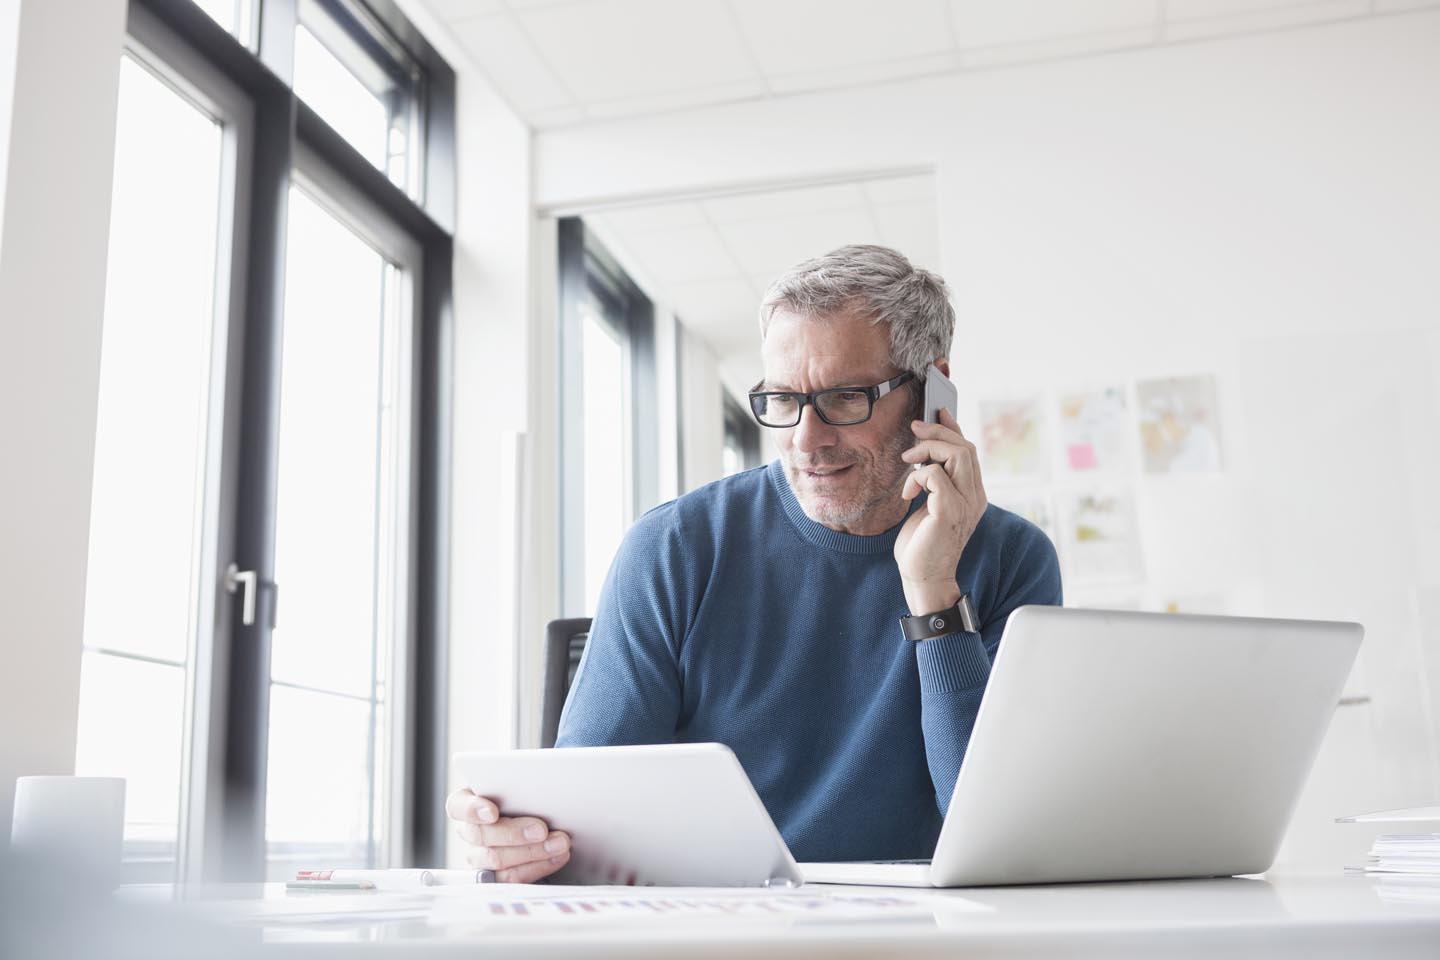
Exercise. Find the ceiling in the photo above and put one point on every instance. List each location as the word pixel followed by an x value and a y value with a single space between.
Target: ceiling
pixel 710 260
pixel 562 62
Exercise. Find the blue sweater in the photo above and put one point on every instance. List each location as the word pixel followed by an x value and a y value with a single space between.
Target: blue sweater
pixel 730 616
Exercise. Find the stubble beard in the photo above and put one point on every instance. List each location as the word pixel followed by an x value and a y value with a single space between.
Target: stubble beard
pixel 881 474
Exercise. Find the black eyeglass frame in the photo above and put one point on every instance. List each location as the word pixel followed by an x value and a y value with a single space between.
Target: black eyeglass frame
pixel 873 393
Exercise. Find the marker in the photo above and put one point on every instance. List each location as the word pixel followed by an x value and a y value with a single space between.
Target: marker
pixel 399 878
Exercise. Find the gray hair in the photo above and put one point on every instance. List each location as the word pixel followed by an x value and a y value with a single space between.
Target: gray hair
pixel 879 284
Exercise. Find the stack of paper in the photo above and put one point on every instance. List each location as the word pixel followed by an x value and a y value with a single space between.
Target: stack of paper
pixel 1407 865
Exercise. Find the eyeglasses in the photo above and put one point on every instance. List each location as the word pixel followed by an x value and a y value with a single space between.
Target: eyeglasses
pixel 838 406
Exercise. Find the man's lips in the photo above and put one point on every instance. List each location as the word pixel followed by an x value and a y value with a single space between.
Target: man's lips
pixel 826 473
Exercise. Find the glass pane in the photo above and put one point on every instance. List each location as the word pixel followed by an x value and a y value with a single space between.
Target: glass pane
pixel 607 490
pixel 233 15
pixel 341 99
pixel 327 510
pixel 319 802
pixel 732 458
pixel 154 373
pixel 131 725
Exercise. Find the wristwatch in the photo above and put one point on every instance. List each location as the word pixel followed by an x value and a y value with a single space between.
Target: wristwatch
pixel 931 625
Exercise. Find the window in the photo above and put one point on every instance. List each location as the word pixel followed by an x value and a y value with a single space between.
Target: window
pixel 154 482
pixel 742 438
pixel 236 16
pixel 341 539
pixel 363 84
pixel 609 428
pixel 271 416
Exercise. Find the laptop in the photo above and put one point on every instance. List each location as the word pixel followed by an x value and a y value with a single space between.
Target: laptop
pixel 1130 746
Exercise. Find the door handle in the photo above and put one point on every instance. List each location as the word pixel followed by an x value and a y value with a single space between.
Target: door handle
pixel 247 580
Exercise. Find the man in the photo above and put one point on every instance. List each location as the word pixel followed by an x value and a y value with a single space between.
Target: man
pixel 763 611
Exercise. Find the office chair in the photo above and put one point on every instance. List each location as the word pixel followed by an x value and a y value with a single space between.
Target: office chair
pixel 564 643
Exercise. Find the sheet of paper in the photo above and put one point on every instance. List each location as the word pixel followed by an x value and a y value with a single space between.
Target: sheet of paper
pixel 518 906
pixel 1407 815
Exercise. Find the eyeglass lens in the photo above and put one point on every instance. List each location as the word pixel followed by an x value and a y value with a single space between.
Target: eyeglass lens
pixel 839 407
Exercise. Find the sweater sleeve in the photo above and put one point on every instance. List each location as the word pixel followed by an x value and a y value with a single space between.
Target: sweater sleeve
pixel 955 668
pixel 627 689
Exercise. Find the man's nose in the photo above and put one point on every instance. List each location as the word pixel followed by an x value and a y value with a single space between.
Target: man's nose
pixel 812 433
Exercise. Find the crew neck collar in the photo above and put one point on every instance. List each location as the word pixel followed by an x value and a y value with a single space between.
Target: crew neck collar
pixel 821 535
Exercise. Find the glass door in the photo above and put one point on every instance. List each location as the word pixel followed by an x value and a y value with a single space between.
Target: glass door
pixel 342 520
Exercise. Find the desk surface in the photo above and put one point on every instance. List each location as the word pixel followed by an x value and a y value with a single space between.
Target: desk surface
pixel 1333 916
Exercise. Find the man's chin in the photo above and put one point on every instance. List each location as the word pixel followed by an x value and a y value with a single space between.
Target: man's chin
pixel 830 511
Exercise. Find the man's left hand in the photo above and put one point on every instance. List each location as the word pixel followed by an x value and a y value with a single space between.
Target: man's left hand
pixel 930 544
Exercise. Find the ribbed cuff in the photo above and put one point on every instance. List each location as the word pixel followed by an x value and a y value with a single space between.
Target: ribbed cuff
pixel 954 662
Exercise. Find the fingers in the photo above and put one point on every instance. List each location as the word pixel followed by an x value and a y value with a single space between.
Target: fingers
pixel 505 832
pixel 947 429
pixel 465 807
pixel 530 872
pixel 513 832
pixel 946 502
pixel 505 858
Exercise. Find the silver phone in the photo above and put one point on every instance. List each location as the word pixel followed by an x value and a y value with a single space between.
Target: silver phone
pixel 939 393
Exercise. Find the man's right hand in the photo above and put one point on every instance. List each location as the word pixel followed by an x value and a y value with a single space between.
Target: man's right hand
pixel 518 849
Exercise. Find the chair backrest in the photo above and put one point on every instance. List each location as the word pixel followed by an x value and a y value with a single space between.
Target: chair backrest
pixel 564 643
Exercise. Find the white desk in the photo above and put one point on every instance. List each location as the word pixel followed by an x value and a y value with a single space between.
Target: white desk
pixel 1308 917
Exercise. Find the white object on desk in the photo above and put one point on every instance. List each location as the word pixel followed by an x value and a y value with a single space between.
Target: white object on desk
pixel 671 815
pixel 74 825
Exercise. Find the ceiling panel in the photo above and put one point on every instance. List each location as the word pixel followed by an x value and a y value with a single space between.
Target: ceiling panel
pixel 680 256
pixel 769 246
pixel 784 203
pixel 564 62
pixel 1039 51
pixel 985 23
pixel 459 9
pixel 921 186
pixel 1191 9
pixel 512 64
pixel 616 49
pixel 677 99
pixel 864 73
pixel 714 301
pixel 804 36
pixel 660 216
pixel 1268 18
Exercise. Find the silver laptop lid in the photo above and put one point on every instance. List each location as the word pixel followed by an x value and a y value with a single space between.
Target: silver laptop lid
pixel 1119 745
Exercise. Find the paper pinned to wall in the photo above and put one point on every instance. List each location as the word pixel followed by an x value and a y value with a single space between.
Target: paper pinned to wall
pixel 1179 424
pixel 1101 536
pixel 1094 426
pixel 1010 434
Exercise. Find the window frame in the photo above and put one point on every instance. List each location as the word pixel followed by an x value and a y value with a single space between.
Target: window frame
pixel 223 819
pixel 587 270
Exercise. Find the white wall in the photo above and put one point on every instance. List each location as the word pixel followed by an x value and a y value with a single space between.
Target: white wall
pixel 56 219
pixel 1264 209
pixel 9 30
pixel 702 414
pixel 501 505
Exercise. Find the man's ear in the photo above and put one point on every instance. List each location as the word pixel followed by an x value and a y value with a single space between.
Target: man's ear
pixel 943 365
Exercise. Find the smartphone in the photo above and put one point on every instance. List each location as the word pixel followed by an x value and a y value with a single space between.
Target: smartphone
pixel 939 393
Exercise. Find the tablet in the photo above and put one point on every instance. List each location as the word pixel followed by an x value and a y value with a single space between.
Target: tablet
pixel 666 815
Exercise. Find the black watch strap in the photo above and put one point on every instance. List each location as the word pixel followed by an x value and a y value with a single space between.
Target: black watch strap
pixel 931 625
